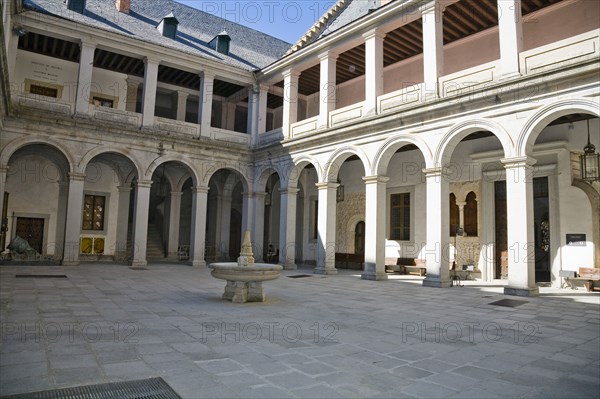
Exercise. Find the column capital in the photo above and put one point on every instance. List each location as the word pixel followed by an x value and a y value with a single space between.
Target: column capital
pixel 87 44
pixel 264 87
pixel 3 168
pixel 144 183
pixel 152 60
pixel 124 189
pixel 461 204
pixel 207 75
pixel 74 176
pixel 290 73
pixel 374 33
pixel 328 55
pixel 182 94
pixel 432 6
pixel 200 190
pixel 327 185
pixel 289 191
pixel 134 81
pixel 175 194
pixel 518 162
pixel 375 179
pixel 433 172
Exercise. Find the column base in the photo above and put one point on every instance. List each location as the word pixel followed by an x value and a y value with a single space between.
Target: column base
pixel 139 263
pixel 198 263
pixel 522 291
pixel 290 267
pixel 374 276
pixel 70 263
pixel 437 283
pixel 325 270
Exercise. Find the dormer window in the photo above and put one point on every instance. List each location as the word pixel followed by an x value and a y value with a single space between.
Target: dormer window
pixel 221 43
pixel 168 26
pixel 76 5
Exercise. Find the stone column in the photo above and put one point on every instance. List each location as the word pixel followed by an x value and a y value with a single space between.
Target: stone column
pixel 258 223
pixel 262 108
pixel 132 91
pixel 373 69
pixel 521 241
pixel 140 223
pixel 181 105
pixel 205 99
pixel 326 228
pixel 200 203
pixel 61 215
pixel 461 213
pixel 3 174
pixel 487 230
pixel 123 223
pixel 433 46
pixel 149 93
pixel 375 224
pixel 230 120
pixel 84 79
pixel 253 110
pixel 225 222
pixel 287 228
pixel 510 31
pixel 437 247
pixel 74 218
pixel 174 217
pixel 290 100
pixel 327 97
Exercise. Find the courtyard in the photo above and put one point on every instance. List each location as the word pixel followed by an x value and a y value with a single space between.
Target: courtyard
pixel 315 336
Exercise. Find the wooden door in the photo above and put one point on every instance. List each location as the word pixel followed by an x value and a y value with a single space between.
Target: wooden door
pixel 31 230
pixel 501 253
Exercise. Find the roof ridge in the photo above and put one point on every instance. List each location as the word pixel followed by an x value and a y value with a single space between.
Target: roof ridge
pixel 319 25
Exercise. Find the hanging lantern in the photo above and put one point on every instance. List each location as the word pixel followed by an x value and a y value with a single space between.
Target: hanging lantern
pixel 590 161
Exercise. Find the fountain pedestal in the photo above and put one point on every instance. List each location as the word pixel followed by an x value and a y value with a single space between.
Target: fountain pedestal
pixel 244 278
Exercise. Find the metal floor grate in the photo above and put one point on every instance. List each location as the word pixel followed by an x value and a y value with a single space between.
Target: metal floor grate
pixel 300 276
pixel 152 388
pixel 40 276
pixel 509 303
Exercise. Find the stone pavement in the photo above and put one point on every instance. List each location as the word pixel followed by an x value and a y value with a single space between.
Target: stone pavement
pixel 315 337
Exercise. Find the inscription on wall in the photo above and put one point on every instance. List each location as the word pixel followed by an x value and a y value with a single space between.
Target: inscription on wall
pixel 46 72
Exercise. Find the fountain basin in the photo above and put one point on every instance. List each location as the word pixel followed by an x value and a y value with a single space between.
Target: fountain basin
pixel 244 283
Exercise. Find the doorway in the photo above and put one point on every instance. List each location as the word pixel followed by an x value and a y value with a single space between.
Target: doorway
pixel 359 238
pixel 541 212
pixel 501 247
pixel 31 230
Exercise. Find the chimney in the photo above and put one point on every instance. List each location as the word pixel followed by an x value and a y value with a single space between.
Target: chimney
pixel 123 6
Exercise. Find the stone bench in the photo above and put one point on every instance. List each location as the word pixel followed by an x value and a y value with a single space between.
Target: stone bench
pixel 590 276
pixel 406 266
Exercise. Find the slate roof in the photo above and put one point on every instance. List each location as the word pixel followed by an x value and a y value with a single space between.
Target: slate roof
pixel 341 14
pixel 249 49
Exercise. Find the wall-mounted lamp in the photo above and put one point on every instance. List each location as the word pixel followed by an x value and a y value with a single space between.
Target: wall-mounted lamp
pixel 20 31
pixel 590 161
pixel 339 195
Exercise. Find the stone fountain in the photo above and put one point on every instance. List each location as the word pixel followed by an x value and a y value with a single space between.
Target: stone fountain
pixel 245 278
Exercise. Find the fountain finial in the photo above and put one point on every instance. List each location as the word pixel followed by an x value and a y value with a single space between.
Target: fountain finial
pixel 246 255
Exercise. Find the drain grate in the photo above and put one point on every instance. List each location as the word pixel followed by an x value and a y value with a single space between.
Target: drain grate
pixel 300 276
pixel 152 388
pixel 509 303
pixel 41 276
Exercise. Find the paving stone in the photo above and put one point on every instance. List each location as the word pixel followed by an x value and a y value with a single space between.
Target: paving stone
pixel 217 366
pixel 291 379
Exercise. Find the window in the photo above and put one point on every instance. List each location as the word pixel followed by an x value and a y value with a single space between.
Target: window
pixel 43 91
pixel 102 102
pixel 454 215
pixel 93 212
pixel 400 216
pixel 471 215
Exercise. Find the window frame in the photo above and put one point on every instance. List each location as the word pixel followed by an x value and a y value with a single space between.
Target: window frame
pixel 104 216
pixel 401 190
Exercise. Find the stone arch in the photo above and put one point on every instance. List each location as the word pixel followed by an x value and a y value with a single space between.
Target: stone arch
pixel 171 158
pixel 264 175
pixel 534 126
pixel 93 153
pixel 461 130
pixel 338 157
pixel 15 145
pixel 299 164
pixel 212 170
pixel 393 144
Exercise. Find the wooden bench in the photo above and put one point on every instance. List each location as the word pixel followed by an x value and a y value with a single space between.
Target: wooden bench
pixel 406 266
pixel 589 276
